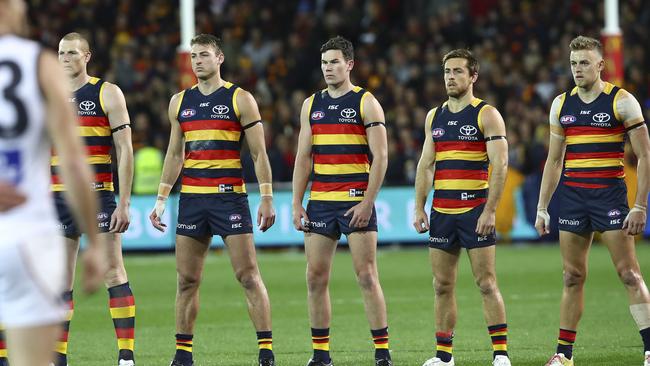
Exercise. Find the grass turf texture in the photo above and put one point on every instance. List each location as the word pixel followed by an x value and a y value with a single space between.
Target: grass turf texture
pixel 530 279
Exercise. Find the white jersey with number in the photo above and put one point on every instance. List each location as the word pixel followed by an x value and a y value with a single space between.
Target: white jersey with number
pixel 24 145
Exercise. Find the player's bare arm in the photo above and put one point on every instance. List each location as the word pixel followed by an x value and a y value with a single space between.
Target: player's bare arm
pixel 630 112
pixel 424 176
pixel 173 162
pixel 254 133
pixel 115 107
pixel 302 168
pixel 494 130
pixel 377 142
pixel 62 128
pixel 552 167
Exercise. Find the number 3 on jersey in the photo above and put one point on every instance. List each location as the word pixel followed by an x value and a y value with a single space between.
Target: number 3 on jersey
pixel 13 120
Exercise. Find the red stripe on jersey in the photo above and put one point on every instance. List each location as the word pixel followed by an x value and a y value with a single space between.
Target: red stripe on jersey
pixel 98 150
pixel 461 174
pixel 92 121
pixel 580 130
pixel 216 124
pixel 128 333
pixel 212 154
pixel 460 145
pixel 331 187
pixel 595 155
pixel 343 128
pixel 585 185
pixel 63 336
pixel 619 173
pixel 120 302
pixel 452 203
pixel 104 177
pixel 211 182
pixel 340 159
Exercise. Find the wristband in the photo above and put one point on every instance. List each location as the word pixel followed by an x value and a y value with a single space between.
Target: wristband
pixel 163 191
pixel 266 189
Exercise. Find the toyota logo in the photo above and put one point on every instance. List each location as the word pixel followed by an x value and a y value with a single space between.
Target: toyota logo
pixel 348 113
pixel 601 117
pixel 87 105
pixel 468 130
pixel 220 109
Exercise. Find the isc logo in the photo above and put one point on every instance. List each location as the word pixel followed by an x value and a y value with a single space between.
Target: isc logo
pixel 333 106
pixel 205 104
pixel 452 123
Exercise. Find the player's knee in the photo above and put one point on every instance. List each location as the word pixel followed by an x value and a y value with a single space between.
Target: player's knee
pixel 367 280
pixel 487 286
pixel 442 287
pixel 630 277
pixel 249 278
pixel 574 278
pixel 317 279
pixel 115 276
pixel 188 282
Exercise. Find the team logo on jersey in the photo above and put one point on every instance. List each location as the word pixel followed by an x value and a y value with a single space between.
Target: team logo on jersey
pixel 187 113
pixel 614 213
pixel 87 105
pixel 568 119
pixel 220 109
pixel 235 217
pixel 601 117
pixel 348 113
pixel 317 115
pixel 437 133
pixel 468 130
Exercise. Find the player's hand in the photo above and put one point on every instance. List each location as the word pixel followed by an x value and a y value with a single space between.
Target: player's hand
pixel 635 220
pixel 300 219
pixel 543 222
pixel 265 214
pixel 421 221
pixel 156 214
pixel 10 197
pixel 486 223
pixel 94 268
pixel 120 219
pixel 361 213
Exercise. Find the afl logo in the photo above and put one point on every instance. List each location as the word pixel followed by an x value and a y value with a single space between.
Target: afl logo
pixel 565 120
pixel 348 113
pixel 187 113
pixel 317 115
pixel 235 217
pixel 87 105
pixel 220 109
pixel 601 117
pixel 468 130
pixel 614 213
pixel 438 132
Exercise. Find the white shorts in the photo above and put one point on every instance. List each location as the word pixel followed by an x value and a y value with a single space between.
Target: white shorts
pixel 32 273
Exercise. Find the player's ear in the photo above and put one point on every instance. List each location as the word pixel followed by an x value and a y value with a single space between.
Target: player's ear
pixel 350 65
pixel 220 57
pixel 87 56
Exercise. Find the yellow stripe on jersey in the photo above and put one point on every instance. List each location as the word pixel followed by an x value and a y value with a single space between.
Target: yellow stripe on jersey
pixel 559 110
pixel 339 139
pixel 200 135
pixel 608 88
pixel 593 163
pixel 121 313
pixel 213 164
pixel 108 186
pixel 94 131
pixel 91 159
pixel 461 155
pixel 460 184
pixel 311 101
pixel 361 110
pixel 594 139
pixel 341 168
pixel 200 189
pixel 616 114
pixel 93 80
pixel 180 101
pixel 479 119
pixel 476 102
pixel 453 211
pixel 429 118
pixel 333 196
pixel 101 97
pixel 234 102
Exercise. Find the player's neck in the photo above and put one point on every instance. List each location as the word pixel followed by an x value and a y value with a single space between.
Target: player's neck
pixel 78 81
pixel 592 92
pixel 208 86
pixel 456 104
pixel 337 90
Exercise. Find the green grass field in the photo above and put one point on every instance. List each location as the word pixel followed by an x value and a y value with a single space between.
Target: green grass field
pixel 530 280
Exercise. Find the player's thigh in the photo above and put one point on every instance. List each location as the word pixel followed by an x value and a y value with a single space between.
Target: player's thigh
pixel 575 250
pixel 190 255
pixel 363 248
pixel 622 250
pixel 319 250
pixel 444 264
pixel 241 250
pixel 483 261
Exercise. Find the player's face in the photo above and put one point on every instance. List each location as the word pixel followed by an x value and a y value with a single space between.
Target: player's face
pixel 206 61
pixel 457 77
pixel 335 69
pixel 586 66
pixel 73 57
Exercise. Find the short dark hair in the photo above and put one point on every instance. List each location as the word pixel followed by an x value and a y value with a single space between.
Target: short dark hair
pixel 341 44
pixel 472 62
pixel 207 40
pixel 586 43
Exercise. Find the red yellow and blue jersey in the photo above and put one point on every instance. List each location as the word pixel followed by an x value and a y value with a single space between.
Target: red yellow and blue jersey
pixel 212 130
pixel 460 182
pixel 595 139
pixel 340 152
pixel 95 130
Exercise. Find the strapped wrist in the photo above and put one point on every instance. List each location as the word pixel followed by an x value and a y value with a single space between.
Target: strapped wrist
pixel 164 190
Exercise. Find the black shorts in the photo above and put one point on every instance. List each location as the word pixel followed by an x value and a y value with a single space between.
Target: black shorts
pixel 326 218
pixel 67 222
pixel 449 231
pixel 592 209
pixel 201 215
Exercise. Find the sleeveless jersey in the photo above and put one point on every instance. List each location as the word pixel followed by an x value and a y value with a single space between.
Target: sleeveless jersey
pixel 460 182
pixel 213 132
pixel 24 145
pixel 595 138
pixel 340 151
pixel 95 130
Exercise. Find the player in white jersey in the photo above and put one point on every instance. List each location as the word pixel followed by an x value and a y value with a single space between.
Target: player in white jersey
pixel 34 106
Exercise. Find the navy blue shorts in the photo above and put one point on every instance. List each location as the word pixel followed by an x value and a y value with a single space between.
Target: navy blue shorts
pixel 326 218
pixel 592 209
pixel 450 231
pixel 201 215
pixel 66 219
